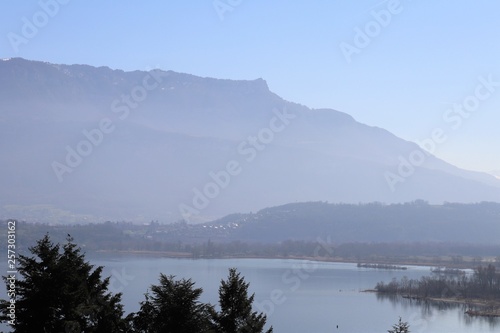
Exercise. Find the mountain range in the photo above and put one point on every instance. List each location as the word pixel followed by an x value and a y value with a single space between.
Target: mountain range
pixel 80 143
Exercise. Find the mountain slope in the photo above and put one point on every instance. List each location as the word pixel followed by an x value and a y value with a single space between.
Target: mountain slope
pixel 83 142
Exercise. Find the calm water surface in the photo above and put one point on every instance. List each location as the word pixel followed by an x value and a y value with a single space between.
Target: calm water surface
pixel 300 296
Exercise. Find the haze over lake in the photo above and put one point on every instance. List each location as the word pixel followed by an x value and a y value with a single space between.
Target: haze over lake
pixel 309 296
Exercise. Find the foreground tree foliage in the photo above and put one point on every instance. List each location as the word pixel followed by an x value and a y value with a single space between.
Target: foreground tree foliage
pixel 173 306
pixel 236 315
pixel 60 292
pixel 400 327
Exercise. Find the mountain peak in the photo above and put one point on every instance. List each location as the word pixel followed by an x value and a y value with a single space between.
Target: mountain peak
pixel 138 145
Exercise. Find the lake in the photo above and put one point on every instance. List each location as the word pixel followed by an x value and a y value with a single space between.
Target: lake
pixel 298 295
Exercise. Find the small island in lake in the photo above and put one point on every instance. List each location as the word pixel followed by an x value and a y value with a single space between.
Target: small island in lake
pixel 382 266
pixel 479 291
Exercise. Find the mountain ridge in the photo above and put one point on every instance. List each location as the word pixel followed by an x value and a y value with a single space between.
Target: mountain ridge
pixel 164 134
pixel 416 221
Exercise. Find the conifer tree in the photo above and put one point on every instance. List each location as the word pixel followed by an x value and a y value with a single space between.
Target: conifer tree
pixel 173 306
pixel 236 315
pixel 400 327
pixel 58 291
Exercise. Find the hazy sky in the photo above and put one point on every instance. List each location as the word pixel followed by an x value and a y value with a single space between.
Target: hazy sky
pixel 400 65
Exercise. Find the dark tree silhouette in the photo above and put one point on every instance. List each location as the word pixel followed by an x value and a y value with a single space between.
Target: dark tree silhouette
pixel 60 292
pixel 173 306
pixel 236 315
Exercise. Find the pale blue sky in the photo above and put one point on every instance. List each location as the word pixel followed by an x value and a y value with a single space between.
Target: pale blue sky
pixel 428 56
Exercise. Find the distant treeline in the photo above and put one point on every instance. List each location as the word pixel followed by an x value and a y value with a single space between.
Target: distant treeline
pixel 127 237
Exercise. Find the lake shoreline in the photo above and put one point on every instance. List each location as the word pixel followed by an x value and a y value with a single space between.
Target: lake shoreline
pixel 321 286
pixel 491 308
pixel 487 308
pixel 188 255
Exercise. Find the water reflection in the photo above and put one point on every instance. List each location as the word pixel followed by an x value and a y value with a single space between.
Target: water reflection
pixel 429 309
